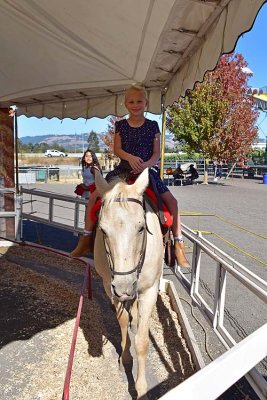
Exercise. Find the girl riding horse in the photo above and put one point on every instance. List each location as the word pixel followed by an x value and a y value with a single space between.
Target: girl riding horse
pixel 137 141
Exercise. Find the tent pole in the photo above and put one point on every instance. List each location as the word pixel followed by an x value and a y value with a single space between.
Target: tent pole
pixel 16 150
pixel 163 141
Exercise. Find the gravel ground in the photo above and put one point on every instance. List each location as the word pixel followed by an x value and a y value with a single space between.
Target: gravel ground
pixel 39 294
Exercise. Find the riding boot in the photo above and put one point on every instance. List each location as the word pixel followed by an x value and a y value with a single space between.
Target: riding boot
pixel 84 246
pixel 179 249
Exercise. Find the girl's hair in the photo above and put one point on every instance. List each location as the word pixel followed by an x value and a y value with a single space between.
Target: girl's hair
pixel 94 163
pixel 137 88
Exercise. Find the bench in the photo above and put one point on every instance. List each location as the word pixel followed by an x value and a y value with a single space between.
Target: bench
pixel 168 174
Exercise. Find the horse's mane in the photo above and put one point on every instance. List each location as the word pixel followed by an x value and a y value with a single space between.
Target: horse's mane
pixel 119 190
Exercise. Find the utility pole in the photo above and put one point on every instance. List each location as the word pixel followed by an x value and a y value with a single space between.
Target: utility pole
pixel 266 152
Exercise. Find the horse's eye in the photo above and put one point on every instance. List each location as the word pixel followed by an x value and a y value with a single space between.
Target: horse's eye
pixel 141 229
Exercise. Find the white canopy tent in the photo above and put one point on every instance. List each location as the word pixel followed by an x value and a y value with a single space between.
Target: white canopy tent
pixel 64 58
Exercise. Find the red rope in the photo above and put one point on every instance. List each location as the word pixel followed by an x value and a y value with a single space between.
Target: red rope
pixel 66 389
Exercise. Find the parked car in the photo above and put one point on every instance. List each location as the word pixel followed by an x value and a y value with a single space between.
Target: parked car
pixel 55 153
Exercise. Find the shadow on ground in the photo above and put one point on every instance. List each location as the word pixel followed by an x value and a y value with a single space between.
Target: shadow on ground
pixel 39 292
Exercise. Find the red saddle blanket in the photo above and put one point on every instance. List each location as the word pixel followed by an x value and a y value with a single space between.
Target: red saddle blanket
pixel 168 217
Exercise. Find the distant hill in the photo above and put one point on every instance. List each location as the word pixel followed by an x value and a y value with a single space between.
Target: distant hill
pixel 74 142
pixel 69 142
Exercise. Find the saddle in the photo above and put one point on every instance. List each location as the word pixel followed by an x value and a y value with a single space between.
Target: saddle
pixel 150 197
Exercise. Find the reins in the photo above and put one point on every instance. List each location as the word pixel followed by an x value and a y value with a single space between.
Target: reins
pixel 140 263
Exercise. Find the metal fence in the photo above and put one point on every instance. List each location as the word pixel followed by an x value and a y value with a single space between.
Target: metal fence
pixel 67 212
pixel 70 173
pixel 35 174
pixel 229 169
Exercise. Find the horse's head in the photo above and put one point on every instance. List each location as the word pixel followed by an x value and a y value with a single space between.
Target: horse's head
pixel 122 222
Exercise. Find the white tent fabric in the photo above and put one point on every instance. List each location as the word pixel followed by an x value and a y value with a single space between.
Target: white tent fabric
pixel 64 58
pixel 261 101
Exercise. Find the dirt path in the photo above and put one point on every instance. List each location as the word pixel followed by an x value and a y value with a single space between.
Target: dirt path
pixel 39 295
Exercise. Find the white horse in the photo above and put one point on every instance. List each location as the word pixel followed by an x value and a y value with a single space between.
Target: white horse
pixel 128 256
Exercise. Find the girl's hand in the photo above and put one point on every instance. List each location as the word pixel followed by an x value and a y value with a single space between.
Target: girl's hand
pixel 136 163
pixel 141 168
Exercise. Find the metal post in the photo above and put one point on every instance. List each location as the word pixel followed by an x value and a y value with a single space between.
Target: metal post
pixel 219 296
pixel 195 272
pixel 51 210
pixel 265 156
pixel 16 150
pixel 163 141
pixel 18 218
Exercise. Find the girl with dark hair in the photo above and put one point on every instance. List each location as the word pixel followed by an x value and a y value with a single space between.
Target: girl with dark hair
pixel 89 164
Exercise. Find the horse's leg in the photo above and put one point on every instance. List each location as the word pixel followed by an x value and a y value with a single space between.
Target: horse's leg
pixel 123 319
pixel 145 306
pixel 134 317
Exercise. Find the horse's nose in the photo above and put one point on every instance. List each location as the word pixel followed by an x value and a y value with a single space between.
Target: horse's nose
pixel 124 293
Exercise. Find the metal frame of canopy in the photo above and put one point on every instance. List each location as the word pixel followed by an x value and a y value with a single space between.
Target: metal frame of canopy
pixel 75 61
pixel 76 74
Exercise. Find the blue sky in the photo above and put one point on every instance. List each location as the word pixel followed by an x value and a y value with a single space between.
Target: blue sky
pixel 252 45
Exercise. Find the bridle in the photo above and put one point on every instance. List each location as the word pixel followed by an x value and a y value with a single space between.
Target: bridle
pixel 138 267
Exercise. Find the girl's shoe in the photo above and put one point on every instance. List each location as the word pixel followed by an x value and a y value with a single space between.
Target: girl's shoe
pixel 84 246
pixel 179 249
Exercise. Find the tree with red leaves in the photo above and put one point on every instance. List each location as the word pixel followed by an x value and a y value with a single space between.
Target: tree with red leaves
pixel 218 117
pixel 108 136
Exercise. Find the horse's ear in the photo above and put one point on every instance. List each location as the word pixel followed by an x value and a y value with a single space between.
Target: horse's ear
pixel 141 182
pixel 101 184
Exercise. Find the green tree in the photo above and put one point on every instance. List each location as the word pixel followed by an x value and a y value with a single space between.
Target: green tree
pixel 93 141
pixel 217 118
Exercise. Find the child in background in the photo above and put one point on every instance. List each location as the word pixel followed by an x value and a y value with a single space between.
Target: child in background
pixel 89 164
pixel 137 144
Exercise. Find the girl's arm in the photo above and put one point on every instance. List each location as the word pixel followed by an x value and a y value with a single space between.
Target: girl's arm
pixel 135 162
pixel 94 168
pixel 155 156
pixel 156 153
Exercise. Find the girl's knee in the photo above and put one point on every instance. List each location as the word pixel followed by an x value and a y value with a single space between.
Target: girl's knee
pixel 170 200
pixel 93 197
pixel 174 203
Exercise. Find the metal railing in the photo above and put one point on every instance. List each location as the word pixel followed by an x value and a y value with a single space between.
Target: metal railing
pixel 70 209
pixel 214 379
pixel 69 173
pixel 33 201
pixel 234 170
pixel 225 264
pixel 35 174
